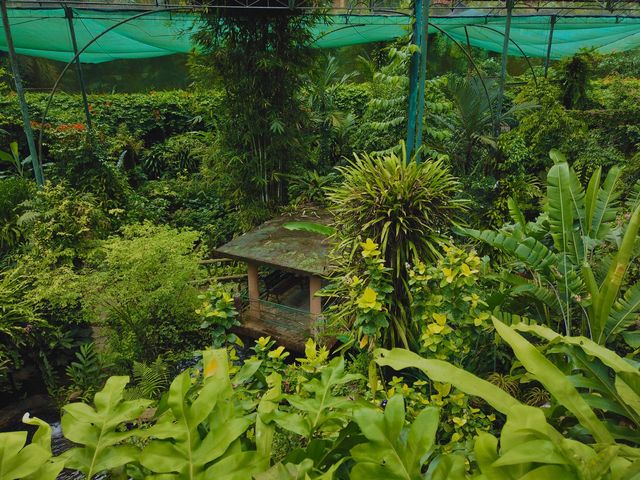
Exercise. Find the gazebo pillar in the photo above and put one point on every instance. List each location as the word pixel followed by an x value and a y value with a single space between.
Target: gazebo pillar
pixel 254 291
pixel 315 303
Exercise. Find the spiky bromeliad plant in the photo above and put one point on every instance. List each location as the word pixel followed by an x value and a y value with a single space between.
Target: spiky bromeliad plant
pixel 406 207
pixel 574 258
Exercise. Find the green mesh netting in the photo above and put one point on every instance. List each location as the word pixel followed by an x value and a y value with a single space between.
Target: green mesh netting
pixel 45 33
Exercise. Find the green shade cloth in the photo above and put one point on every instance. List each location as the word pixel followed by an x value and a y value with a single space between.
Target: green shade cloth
pixel 45 33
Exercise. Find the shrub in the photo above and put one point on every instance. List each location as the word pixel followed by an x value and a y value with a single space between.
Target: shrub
pixel 405 207
pixel 13 192
pixel 143 292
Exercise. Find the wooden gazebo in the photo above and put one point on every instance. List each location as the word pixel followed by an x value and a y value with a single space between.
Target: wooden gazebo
pixel 284 271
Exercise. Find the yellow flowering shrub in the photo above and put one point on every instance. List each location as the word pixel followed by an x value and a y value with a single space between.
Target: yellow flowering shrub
pixel 446 302
pixel 460 420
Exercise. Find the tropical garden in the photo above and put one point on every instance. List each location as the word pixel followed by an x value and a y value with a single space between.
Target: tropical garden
pixel 486 290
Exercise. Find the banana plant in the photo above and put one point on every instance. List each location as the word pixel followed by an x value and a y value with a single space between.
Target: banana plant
pixel 566 272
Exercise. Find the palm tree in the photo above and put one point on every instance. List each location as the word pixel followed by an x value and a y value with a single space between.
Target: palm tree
pixel 476 120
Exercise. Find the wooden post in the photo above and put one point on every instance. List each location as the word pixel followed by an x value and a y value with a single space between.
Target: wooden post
pixel 254 291
pixel 315 303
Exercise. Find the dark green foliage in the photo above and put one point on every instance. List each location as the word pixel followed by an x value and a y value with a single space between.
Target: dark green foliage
pixel 180 153
pixel 151 116
pixel 151 379
pixel 88 372
pixel 575 76
pixel 13 192
pixel 258 60
pixel 193 202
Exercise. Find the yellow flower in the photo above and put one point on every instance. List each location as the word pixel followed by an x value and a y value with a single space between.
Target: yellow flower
pixel 459 421
pixel 364 341
pixel 449 275
pixel 455 437
pixel 434 328
pixel 278 353
pixel 263 341
pixel 479 320
pixel 440 318
pixel 369 248
pixel 369 300
pixel 466 270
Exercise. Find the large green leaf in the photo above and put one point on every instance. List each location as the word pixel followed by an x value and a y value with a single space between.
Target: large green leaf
pixel 565 206
pixel 321 410
pixel 625 312
pixel 530 251
pixel 605 207
pixel 197 438
pixel 97 429
pixel 42 438
pixel 389 454
pixel 18 460
pixel 444 372
pixel 554 381
pixel 613 281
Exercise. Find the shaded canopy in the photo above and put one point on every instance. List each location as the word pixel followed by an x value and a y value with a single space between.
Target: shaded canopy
pixel 44 32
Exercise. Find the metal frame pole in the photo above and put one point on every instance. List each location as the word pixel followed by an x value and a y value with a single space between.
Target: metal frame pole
pixel 13 61
pixel 505 57
pixel 548 57
pixel 416 73
pixel 426 4
pixel 68 12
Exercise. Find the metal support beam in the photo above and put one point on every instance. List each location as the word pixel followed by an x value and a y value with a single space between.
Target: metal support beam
pixel 72 31
pixel 417 77
pixel 422 77
pixel 13 61
pixel 503 67
pixel 548 57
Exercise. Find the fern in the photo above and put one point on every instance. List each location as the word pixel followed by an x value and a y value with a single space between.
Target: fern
pixel 151 379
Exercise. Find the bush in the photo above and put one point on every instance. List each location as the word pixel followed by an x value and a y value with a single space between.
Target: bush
pixel 180 153
pixel 188 201
pixel 143 292
pixel 13 192
pixel 407 208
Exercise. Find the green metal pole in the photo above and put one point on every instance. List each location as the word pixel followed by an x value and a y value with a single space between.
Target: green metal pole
pixel 426 4
pixel 13 61
pixel 87 113
pixel 419 30
pixel 548 57
pixel 503 69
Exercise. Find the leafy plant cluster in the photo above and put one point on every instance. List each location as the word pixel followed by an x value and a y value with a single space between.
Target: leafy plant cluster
pixel 206 425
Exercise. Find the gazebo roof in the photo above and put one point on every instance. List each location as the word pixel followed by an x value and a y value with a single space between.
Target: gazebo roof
pixel 274 245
